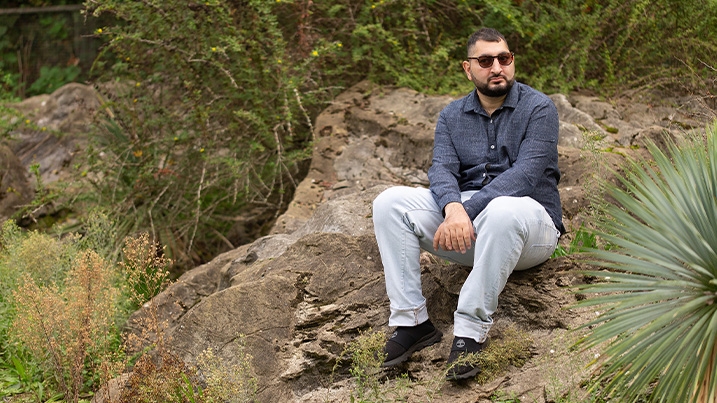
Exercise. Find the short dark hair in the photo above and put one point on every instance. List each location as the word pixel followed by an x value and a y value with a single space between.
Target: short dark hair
pixel 484 34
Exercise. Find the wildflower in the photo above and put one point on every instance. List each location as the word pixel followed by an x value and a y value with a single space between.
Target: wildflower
pixel 373 6
pixel 126 58
pixel 597 355
pixel 339 44
pixel 278 61
pixel 99 30
pixel 201 150
pixel 27 121
pixel 214 49
pixel 137 84
pixel 315 53
pixel 176 138
pixel 137 153
pixel 43 128
pixel 134 100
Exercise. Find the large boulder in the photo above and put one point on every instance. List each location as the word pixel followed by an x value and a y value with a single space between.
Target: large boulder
pixel 56 128
pixel 302 293
pixel 61 121
pixel 16 189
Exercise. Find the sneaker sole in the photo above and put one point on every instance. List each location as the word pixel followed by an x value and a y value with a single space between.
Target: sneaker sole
pixel 459 377
pixel 427 340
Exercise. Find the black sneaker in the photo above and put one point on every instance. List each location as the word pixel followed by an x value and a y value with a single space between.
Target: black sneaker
pixel 406 340
pixel 463 347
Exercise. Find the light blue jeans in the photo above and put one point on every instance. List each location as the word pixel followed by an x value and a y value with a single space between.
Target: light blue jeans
pixel 512 233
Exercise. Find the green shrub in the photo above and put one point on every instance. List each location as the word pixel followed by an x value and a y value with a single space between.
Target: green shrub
pixel 206 116
pixel 52 78
pixel 617 45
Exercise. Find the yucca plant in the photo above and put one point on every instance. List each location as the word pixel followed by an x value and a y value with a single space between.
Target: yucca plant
pixel 656 287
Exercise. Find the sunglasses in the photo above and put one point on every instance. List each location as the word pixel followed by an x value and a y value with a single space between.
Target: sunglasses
pixel 505 59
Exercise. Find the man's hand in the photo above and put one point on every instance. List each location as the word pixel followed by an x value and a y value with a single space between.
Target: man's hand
pixel 456 232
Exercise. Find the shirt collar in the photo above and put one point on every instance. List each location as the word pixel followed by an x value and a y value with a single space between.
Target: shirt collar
pixel 472 103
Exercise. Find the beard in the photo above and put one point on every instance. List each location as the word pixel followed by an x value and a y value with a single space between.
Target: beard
pixel 495 91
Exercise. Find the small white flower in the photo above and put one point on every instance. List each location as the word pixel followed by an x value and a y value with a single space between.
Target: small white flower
pixel 552 351
pixel 607 277
pixel 597 313
pixel 597 355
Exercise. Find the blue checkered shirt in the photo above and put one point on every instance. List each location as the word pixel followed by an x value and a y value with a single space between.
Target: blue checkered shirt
pixel 511 153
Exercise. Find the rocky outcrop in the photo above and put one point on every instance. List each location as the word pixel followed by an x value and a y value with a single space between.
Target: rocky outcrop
pixel 15 187
pixel 302 293
pixel 56 126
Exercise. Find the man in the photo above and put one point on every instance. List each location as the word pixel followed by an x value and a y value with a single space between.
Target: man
pixel 493 204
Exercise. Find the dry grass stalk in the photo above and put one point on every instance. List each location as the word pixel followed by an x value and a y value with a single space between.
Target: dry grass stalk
pixel 68 324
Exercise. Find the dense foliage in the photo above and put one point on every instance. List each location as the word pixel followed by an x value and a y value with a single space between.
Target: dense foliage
pixel 41 51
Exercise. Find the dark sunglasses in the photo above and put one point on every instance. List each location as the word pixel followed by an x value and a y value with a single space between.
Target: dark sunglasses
pixel 505 59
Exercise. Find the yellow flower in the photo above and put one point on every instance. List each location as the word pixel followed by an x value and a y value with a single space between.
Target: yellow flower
pixel 315 53
pixel 137 153
pixel 176 138
pixel 373 6
pixel 27 121
pixel 278 61
pixel 99 30
pixel 43 128
pixel 134 100
pixel 201 150
pixel 339 44
pixel 126 58
pixel 214 49
pixel 137 84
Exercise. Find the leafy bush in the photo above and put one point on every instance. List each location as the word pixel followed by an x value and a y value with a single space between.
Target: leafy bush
pixel 39 52
pixel 617 45
pixel 659 290
pixel 52 78
pixel 207 116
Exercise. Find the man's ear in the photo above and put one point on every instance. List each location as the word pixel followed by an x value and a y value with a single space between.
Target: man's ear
pixel 467 69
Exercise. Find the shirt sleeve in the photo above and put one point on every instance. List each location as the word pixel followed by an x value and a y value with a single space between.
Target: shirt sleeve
pixel 537 150
pixel 444 170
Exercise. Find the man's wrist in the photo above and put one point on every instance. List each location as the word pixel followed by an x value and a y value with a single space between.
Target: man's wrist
pixel 453 207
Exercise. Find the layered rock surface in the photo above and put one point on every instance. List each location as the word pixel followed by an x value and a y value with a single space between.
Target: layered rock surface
pixel 301 294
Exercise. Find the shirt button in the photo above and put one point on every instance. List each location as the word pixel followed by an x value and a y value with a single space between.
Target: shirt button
pixel 484 175
pixel 492 147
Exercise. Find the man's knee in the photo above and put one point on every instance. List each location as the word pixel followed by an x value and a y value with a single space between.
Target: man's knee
pixel 387 199
pixel 509 212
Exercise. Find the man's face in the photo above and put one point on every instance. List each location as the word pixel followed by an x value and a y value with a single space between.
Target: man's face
pixel 493 81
